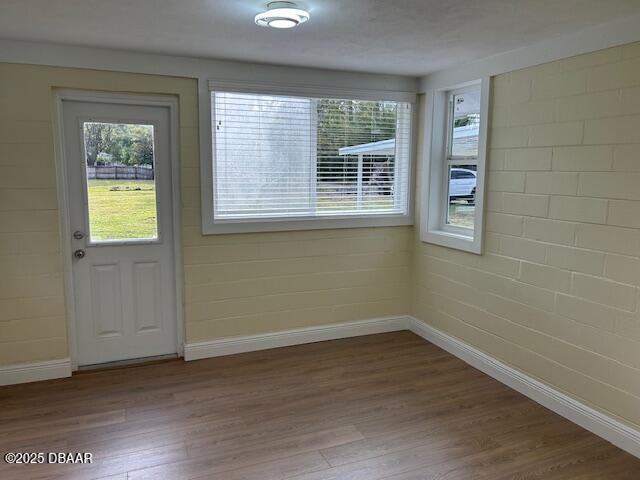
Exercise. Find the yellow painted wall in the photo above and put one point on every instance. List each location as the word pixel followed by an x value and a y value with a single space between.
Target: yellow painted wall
pixel 254 283
pixel 556 293
pixel 234 284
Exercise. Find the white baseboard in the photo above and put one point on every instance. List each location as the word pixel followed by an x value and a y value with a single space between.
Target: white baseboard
pixel 603 425
pixel 251 343
pixel 34 372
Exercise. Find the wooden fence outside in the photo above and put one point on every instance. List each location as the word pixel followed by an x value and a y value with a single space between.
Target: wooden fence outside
pixel 103 172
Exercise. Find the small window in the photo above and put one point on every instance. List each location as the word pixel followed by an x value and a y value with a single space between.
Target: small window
pixel 298 159
pixel 456 167
pixel 463 128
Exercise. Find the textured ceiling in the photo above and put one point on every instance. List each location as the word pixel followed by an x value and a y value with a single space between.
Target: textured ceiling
pixel 410 37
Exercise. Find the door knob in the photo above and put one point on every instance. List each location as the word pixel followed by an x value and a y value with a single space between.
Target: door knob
pixel 79 253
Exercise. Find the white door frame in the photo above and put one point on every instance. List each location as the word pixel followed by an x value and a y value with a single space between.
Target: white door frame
pixel 171 103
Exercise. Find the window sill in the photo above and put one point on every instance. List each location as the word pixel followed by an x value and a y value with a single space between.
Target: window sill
pixel 467 243
pixel 317 223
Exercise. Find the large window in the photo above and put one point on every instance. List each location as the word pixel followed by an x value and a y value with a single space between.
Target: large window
pixel 295 159
pixel 455 170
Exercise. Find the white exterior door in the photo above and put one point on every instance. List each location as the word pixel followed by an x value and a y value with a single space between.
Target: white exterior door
pixel 120 211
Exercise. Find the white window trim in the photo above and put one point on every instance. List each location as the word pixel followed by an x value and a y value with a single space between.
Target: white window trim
pixel 330 221
pixel 433 201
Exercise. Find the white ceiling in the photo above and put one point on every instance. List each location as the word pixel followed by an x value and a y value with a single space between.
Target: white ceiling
pixel 410 37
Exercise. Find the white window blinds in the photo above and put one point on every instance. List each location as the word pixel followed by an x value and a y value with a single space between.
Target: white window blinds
pixel 287 157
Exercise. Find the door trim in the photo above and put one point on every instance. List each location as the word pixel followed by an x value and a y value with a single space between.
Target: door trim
pixel 168 101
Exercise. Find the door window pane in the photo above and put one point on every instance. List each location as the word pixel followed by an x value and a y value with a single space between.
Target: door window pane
pixel 120 181
pixel 466 124
pixel 461 195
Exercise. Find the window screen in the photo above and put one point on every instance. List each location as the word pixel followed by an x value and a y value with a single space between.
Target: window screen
pixel 288 157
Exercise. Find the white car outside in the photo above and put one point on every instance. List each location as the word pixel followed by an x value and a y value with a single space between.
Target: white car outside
pixel 462 184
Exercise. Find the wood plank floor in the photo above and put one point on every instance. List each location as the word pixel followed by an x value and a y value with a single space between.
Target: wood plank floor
pixel 388 406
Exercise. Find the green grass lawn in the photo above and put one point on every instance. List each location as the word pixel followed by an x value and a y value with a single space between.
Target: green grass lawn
pixel 122 209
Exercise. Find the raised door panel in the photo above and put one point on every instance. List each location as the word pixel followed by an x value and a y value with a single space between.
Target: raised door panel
pixel 147 296
pixel 106 293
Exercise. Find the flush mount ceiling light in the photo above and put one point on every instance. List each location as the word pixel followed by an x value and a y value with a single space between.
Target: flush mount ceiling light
pixel 282 15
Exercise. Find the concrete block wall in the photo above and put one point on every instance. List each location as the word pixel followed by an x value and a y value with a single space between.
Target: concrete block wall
pixel 255 283
pixel 556 293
